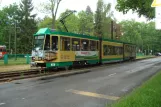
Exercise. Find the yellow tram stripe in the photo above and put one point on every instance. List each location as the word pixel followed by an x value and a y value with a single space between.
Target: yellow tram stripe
pixel 90 94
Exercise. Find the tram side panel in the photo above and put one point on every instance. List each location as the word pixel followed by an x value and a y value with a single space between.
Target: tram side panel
pixel 129 51
pixel 112 51
pixel 75 51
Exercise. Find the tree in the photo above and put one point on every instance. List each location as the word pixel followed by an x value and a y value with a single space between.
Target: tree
pixel 106 22
pixel 142 34
pixel 7 17
pixel 88 10
pixel 27 24
pixel 71 22
pixel 103 19
pixel 142 7
pixel 86 21
pixel 98 18
pixel 46 22
pixel 52 8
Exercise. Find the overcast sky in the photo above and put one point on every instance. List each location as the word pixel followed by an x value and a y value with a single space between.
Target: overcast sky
pixel 78 5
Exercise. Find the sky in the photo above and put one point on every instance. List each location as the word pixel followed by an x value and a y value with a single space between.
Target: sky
pixel 78 5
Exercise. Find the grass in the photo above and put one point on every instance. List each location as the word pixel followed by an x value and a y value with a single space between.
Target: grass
pixel 12 61
pixel 148 56
pixel 147 95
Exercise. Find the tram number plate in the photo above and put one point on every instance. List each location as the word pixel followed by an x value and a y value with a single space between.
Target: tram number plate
pixel 52 64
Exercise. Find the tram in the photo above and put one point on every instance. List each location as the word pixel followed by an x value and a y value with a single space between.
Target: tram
pixel 63 49
pixel 2 51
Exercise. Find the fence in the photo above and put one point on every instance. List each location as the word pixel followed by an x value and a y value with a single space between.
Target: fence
pixel 15 59
pixel 140 54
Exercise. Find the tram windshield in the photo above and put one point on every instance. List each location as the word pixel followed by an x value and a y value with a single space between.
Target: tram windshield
pixel 39 42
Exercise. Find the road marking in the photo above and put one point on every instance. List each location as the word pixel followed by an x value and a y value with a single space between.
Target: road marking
pixel 90 94
pixel 140 68
pixel 101 78
pixel 112 74
pixel 2 104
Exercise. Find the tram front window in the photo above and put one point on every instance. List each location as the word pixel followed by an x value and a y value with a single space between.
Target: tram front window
pixel 39 41
pixel 47 43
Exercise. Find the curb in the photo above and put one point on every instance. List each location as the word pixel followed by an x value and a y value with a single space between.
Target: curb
pixel 46 76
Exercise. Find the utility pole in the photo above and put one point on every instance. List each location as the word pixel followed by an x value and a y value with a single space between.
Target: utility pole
pixel 111 29
pixel 9 41
pixel 15 40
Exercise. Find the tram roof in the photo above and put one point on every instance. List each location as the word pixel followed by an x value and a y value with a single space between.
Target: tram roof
pixel 49 31
pixel 43 31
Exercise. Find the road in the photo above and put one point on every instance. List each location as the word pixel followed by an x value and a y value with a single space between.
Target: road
pixel 97 88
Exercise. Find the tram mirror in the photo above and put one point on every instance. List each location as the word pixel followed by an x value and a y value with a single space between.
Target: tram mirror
pixel 38 48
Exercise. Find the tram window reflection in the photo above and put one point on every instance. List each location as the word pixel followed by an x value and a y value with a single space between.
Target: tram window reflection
pixel 84 45
pixel 75 44
pixel 65 44
pixel 54 43
pixel 93 45
pixel 47 43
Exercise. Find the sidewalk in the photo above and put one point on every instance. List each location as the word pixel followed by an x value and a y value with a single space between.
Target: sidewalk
pixel 9 68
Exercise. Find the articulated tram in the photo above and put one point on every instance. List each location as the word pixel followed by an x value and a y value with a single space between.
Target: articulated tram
pixel 63 49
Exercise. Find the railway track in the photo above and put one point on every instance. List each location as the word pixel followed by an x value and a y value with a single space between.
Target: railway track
pixel 9 76
pixel 15 75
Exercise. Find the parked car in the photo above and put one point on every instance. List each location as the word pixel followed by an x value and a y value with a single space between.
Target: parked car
pixel 158 54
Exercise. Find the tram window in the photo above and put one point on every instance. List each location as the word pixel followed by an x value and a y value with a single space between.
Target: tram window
pixel 47 43
pixel 98 43
pixel 54 43
pixel 111 50
pixel 116 50
pixel 84 45
pixel 121 51
pixel 75 44
pixel 65 44
pixel 126 48
pixel 105 50
pixel 93 45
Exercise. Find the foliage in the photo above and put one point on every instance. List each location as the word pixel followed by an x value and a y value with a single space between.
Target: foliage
pixel 7 17
pixel 98 18
pixel 27 26
pixel 51 7
pixel 142 7
pixel 142 34
pixel 71 22
pixel 86 21
pixel 103 19
pixel 46 22
pixel 18 20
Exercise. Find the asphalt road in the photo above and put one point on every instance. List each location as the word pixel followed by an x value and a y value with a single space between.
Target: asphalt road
pixel 93 89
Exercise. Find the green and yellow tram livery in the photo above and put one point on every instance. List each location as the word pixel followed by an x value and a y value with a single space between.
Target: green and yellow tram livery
pixel 62 49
